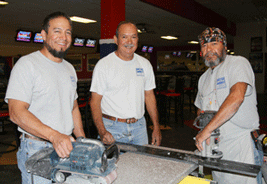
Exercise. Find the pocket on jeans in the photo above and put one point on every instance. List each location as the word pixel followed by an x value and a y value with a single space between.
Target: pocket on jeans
pixel 108 123
pixel 142 122
pixel 34 146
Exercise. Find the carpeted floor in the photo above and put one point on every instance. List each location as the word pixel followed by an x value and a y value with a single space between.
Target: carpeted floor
pixel 10 174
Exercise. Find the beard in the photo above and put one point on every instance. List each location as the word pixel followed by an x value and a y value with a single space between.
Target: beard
pixel 209 62
pixel 58 54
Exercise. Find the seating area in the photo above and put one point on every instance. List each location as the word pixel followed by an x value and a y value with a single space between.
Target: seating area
pixel 173 92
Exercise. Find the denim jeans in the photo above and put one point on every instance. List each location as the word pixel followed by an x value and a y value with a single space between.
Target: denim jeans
pixel 27 148
pixel 258 155
pixel 134 133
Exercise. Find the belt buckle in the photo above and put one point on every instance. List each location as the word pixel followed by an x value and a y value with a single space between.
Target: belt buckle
pixel 128 120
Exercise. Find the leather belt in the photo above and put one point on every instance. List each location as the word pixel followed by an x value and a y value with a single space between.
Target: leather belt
pixel 128 120
pixel 34 138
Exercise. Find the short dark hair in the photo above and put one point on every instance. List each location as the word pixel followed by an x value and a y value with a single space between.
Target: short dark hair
pixel 52 16
pixel 122 23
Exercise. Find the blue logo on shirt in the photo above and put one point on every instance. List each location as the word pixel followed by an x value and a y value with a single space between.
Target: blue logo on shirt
pixel 72 79
pixel 221 83
pixel 139 72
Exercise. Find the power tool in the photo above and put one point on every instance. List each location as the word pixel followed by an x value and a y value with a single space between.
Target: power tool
pixel 211 150
pixel 259 139
pixel 89 159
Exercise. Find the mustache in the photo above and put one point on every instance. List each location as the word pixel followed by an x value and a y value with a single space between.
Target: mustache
pixel 129 45
pixel 209 54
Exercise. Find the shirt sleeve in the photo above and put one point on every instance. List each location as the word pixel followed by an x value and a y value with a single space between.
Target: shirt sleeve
pixel 21 81
pixel 150 78
pixel 241 71
pixel 98 84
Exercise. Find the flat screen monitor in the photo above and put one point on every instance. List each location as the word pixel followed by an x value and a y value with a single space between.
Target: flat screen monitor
pixel 90 43
pixel 38 38
pixel 23 36
pixel 144 48
pixel 150 49
pixel 78 42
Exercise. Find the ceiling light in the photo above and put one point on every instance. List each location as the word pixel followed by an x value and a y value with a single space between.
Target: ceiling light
pixel 3 3
pixel 139 31
pixel 232 53
pixel 81 20
pixel 193 42
pixel 228 50
pixel 169 37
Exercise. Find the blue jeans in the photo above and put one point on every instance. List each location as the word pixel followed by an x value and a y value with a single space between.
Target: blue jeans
pixel 134 133
pixel 27 148
pixel 258 155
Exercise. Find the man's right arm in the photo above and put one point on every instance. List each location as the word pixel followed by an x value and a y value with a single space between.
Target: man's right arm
pixel 95 104
pixel 19 114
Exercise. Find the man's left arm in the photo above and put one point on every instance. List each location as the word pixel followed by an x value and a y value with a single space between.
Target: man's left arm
pixel 77 120
pixel 151 106
pixel 228 108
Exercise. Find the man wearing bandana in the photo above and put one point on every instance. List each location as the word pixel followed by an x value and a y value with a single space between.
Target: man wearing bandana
pixel 228 87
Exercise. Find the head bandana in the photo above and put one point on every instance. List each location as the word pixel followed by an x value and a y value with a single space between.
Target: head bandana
pixel 212 34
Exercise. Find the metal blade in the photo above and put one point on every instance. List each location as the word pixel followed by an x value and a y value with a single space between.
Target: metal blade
pixel 215 164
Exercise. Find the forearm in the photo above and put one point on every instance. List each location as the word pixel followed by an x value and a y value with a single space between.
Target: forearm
pixel 229 107
pixel 151 106
pixel 77 120
pixel 95 105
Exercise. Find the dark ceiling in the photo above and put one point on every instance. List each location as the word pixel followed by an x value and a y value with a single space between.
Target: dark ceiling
pixel 157 22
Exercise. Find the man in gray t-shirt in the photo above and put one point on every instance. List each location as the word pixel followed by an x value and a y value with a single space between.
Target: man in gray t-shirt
pixel 41 96
pixel 228 87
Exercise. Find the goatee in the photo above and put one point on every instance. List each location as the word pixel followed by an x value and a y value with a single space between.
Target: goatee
pixel 55 53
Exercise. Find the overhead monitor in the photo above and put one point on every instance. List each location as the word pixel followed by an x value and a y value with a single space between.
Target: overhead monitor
pixel 78 42
pixel 150 49
pixel 23 36
pixel 144 48
pixel 38 38
pixel 90 43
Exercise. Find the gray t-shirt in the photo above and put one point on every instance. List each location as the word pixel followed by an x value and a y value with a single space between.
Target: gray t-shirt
pixel 48 87
pixel 214 87
pixel 235 139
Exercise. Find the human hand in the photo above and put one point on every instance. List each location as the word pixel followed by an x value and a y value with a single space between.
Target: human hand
pixel 156 137
pixel 107 138
pixel 201 137
pixel 62 144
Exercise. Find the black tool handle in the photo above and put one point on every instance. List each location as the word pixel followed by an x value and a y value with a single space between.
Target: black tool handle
pixel 104 160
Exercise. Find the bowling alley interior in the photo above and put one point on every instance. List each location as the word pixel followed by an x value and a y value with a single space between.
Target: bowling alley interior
pixel 168 33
